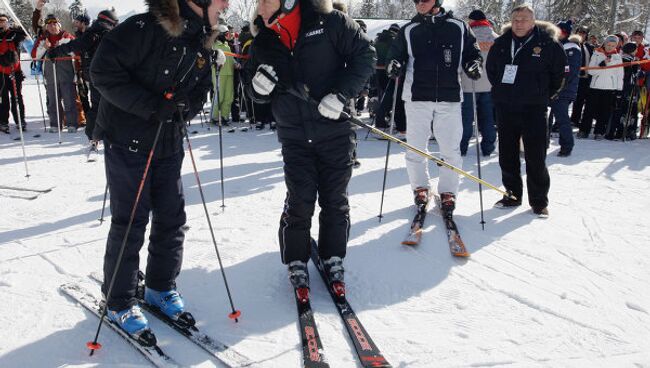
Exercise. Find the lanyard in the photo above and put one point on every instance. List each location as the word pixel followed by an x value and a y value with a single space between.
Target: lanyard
pixel 514 53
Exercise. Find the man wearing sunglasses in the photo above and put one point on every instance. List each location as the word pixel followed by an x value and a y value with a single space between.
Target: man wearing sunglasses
pixel 430 52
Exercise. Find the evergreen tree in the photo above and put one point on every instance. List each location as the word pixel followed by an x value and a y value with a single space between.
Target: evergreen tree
pixel 76 9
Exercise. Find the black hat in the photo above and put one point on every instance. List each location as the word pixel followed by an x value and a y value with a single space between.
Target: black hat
pixel 583 29
pixel 566 26
pixel 108 16
pixel 51 18
pixel 477 15
pixel 629 48
pixel 83 18
pixel 394 27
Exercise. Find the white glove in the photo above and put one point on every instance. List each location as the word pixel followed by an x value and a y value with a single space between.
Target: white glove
pixel 261 83
pixel 331 106
pixel 219 57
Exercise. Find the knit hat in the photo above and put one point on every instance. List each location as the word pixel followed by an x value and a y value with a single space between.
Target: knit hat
pixel 108 16
pixel 394 27
pixel 51 18
pixel 566 26
pixel 477 15
pixel 83 18
pixel 611 38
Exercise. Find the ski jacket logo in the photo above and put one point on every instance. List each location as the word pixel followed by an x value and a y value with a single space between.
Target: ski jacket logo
pixel 315 32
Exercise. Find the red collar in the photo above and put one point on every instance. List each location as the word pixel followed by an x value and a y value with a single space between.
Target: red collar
pixel 288 27
pixel 602 50
pixel 480 23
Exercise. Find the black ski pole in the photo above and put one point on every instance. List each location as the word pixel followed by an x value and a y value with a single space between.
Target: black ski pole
pixel 93 345
pixel 235 313
pixel 40 99
pixel 101 217
pixel 478 154
pixel 392 125
pixel 629 110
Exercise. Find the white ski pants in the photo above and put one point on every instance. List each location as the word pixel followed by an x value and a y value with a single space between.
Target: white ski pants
pixel 448 131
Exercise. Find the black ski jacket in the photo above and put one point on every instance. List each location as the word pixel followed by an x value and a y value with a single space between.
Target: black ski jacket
pixel 540 67
pixel 87 44
pixel 138 62
pixel 433 51
pixel 331 55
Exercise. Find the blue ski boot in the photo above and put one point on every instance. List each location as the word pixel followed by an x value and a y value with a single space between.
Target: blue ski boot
pixel 170 303
pixel 133 322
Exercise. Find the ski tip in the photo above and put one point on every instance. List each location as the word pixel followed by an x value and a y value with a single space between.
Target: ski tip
pixel 235 315
pixel 409 242
pixel 464 254
pixel 93 345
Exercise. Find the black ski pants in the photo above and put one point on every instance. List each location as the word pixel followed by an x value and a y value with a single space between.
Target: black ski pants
pixel 600 104
pixel 316 170
pixel 163 198
pixel 580 101
pixel 527 122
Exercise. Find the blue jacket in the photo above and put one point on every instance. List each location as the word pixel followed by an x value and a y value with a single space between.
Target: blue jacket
pixel 574 61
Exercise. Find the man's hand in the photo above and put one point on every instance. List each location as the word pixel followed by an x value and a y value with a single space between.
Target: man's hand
pixel 393 69
pixel 261 82
pixel 331 106
pixel 473 69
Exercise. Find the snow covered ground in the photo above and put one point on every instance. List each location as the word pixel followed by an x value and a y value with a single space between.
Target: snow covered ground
pixel 568 291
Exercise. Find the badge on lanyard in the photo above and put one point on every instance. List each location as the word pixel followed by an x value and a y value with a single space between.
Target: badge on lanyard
pixel 509 74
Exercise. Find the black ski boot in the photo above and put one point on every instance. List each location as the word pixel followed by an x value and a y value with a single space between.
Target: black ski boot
pixel 334 270
pixel 299 277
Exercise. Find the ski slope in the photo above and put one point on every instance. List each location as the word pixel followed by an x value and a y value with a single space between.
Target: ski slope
pixel 568 291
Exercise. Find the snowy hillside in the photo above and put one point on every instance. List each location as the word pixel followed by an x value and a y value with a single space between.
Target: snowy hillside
pixel 568 291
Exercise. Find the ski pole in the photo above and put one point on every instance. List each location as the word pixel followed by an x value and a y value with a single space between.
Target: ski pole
pixel 40 99
pixel 101 217
pixel 478 155
pixel 392 124
pixel 94 345
pixel 216 98
pixel 305 97
pixel 235 313
pixel 12 76
pixel 56 100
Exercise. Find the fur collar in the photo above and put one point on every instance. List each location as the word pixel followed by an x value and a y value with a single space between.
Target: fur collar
pixel 575 39
pixel 167 13
pixel 319 6
pixel 549 28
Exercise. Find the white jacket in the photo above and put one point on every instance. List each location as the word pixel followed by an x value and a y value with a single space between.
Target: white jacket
pixel 606 79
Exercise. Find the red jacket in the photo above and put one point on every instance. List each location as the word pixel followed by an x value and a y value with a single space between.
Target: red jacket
pixel 10 42
pixel 643 53
pixel 39 50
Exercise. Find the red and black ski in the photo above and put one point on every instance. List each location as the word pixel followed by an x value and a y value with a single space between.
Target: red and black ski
pixel 456 245
pixel 312 348
pixel 368 352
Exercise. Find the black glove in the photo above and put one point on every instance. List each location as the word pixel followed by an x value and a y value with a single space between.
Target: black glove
pixel 473 69
pixel 602 63
pixel 393 69
pixel 165 110
pixel 8 59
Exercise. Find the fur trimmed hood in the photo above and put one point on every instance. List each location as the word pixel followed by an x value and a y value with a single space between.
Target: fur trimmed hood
pixel 550 29
pixel 319 6
pixel 168 15
pixel 575 39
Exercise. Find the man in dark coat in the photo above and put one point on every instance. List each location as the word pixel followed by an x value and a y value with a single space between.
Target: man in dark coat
pixel 526 67
pixel 86 45
pixel 323 54
pixel 137 68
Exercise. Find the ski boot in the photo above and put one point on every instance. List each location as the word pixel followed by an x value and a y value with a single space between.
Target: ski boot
pixel 447 203
pixel 133 322
pixel 421 197
pixel 170 303
pixel 334 270
pixel 299 277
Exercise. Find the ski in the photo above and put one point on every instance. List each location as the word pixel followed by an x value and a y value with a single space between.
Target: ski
pixel 456 245
pixel 219 350
pixel 20 189
pixel 81 295
pixel 313 354
pixel 29 197
pixel 368 352
pixel 415 231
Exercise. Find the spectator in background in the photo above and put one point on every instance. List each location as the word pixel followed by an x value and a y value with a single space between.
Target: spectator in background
pixel 584 79
pixel 52 37
pixel 81 23
pixel 605 84
pixel 382 43
pixel 593 41
pixel 226 78
pixel 526 69
pixel 624 101
pixel 87 45
pixel 560 106
pixel 485 37
pixel 10 40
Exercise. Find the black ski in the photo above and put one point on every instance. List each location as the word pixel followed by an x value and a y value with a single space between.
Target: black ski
pixel 313 354
pixel 81 295
pixel 217 349
pixel 368 352
pixel 456 244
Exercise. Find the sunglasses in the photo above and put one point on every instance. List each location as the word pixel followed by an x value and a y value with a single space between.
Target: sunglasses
pixel 421 1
